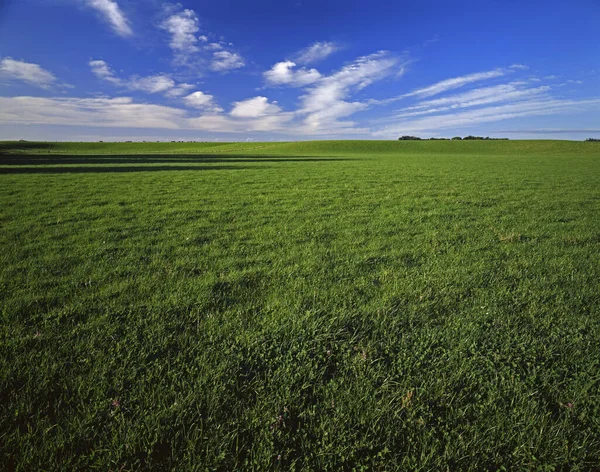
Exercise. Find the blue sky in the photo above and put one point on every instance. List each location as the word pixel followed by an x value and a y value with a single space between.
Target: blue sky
pixel 235 70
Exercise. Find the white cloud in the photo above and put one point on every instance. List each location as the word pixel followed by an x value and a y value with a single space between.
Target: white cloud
pixel 316 52
pixel 159 83
pixel 183 27
pixel 519 67
pixel 325 103
pixel 179 90
pixel 282 73
pixel 225 124
pixel 95 112
pixel 224 61
pixel 472 98
pixel 456 82
pixel 127 114
pixel 103 71
pixel 111 12
pixel 254 108
pixel 446 85
pixel 198 99
pixel 202 101
pixel 151 84
pixel 26 72
pixel 486 115
pixel 213 47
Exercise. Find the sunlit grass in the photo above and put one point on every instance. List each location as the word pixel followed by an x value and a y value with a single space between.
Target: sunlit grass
pixel 324 305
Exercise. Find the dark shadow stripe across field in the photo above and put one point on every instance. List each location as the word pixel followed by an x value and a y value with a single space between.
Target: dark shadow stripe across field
pixel 37 164
pixel 102 169
pixel 35 160
pixel 10 146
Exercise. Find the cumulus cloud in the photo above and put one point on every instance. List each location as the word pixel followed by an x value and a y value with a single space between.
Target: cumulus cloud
pixel 316 52
pixel 182 26
pixel 224 61
pixel 27 72
pixel 190 49
pixel 112 13
pixel 254 108
pixel 283 73
pixel 202 101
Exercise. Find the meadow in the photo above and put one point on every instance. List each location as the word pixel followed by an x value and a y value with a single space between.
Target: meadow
pixel 350 305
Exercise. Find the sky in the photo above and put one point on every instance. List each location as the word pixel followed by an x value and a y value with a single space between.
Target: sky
pixel 273 70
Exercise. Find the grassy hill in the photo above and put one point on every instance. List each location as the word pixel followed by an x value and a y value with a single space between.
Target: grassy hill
pixel 300 306
pixel 309 148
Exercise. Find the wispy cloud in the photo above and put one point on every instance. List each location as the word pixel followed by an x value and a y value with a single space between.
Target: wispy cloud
pixel 316 52
pixel 454 83
pixel 159 83
pixel 477 97
pixel 448 84
pixel 179 90
pixel 113 15
pixel 487 115
pixel 486 104
pixel 224 61
pixel 326 102
pixel 103 71
pixel 27 72
pixel 550 131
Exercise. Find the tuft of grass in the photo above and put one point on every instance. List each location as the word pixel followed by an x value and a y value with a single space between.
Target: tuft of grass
pixel 321 305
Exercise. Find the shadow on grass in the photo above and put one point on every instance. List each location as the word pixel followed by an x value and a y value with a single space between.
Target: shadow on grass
pixel 8 146
pixel 34 160
pixel 39 164
pixel 102 169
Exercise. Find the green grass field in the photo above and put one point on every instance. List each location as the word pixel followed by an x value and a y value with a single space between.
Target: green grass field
pixel 346 305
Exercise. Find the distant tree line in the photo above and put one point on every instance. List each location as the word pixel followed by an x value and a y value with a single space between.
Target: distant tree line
pixel 456 138
pixel 592 140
